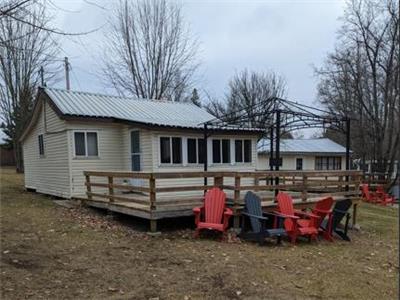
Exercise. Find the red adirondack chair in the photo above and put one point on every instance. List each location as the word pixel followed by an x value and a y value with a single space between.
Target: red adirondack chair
pixel 213 215
pixel 297 223
pixel 369 196
pixel 385 198
pixel 323 209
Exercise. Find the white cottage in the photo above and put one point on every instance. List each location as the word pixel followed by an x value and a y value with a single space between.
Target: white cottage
pixel 304 154
pixel 71 132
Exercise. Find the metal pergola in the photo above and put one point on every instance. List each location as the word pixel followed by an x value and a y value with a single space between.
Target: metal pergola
pixel 275 117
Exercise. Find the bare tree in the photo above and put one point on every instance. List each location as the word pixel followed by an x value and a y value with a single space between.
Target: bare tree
pixel 248 89
pixel 150 53
pixel 20 62
pixel 23 11
pixel 360 79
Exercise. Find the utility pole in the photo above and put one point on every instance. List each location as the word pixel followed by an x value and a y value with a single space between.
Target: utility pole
pixel 41 73
pixel 66 65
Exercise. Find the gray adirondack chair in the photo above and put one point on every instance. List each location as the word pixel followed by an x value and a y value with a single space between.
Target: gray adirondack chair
pixel 258 231
pixel 340 211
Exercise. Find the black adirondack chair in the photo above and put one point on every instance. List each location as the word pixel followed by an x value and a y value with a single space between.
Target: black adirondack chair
pixel 340 211
pixel 258 230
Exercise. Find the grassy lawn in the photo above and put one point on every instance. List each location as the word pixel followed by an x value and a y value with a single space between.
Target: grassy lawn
pixel 51 252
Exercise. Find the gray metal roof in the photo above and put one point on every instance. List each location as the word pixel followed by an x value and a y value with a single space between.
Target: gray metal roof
pixel 153 112
pixel 306 146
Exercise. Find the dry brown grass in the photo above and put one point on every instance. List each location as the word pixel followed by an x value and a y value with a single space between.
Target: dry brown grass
pixel 55 253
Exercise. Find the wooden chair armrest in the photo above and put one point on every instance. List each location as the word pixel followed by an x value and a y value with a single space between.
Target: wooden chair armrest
pixel 287 216
pixel 322 210
pixel 228 212
pixel 302 213
pixel 254 216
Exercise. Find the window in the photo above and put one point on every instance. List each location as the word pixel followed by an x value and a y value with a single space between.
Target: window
pixel 221 151
pixel 165 150
pixel 171 150
pixel 328 163
pixel 41 144
pixel 86 144
pixel 202 150
pixel 176 150
pixel 238 151
pixel 192 151
pixel 226 151
pixel 242 151
pixel 195 151
pixel 247 151
pixel 135 151
pixel 216 151
pixel 299 164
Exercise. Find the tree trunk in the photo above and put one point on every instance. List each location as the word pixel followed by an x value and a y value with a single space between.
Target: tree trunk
pixel 19 161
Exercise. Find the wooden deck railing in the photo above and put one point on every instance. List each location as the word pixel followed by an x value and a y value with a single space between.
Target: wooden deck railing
pixel 161 189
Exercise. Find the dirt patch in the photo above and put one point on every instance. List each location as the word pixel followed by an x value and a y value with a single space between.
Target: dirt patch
pixel 52 252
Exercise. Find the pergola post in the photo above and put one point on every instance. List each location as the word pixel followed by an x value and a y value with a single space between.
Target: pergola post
pixel 271 151
pixel 277 146
pixel 205 165
pixel 347 149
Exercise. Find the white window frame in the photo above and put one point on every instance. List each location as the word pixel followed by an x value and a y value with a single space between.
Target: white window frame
pixel 44 147
pixel 243 149
pixel 170 149
pixel 86 149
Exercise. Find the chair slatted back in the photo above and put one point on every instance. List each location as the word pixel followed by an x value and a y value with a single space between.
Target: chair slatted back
pixel 323 204
pixel 339 211
pixel 253 206
pixel 214 205
pixel 285 206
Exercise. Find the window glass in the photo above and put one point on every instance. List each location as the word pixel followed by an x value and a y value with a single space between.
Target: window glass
pixel 238 151
pixel 135 143
pixel 92 144
pixel 299 164
pixel 226 151
pixel 176 150
pixel 191 151
pixel 202 150
pixel 247 150
pixel 216 151
pixel 135 162
pixel 165 150
pixel 80 144
pixel 41 144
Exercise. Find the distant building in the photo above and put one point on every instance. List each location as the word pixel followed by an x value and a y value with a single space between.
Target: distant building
pixel 304 154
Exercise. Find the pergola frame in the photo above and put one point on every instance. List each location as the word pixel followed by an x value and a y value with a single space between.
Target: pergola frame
pixel 275 117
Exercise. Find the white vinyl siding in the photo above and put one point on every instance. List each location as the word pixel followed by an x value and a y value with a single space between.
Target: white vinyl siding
pixel 48 174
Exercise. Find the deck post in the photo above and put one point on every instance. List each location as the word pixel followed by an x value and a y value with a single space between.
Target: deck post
pixel 111 188
pixel 153 225
pixel 304 189
pixel 236 198
pixel 354 221
pixel 218 181
pixel 88 187
pixel 152 186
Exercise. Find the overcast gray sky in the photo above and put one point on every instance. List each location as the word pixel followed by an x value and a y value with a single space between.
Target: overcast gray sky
pixel 288 37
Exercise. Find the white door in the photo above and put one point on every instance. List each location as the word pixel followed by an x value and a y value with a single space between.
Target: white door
pixel 136 156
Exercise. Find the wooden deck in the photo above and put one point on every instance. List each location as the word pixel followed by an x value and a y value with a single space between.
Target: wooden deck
pixel 155 196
